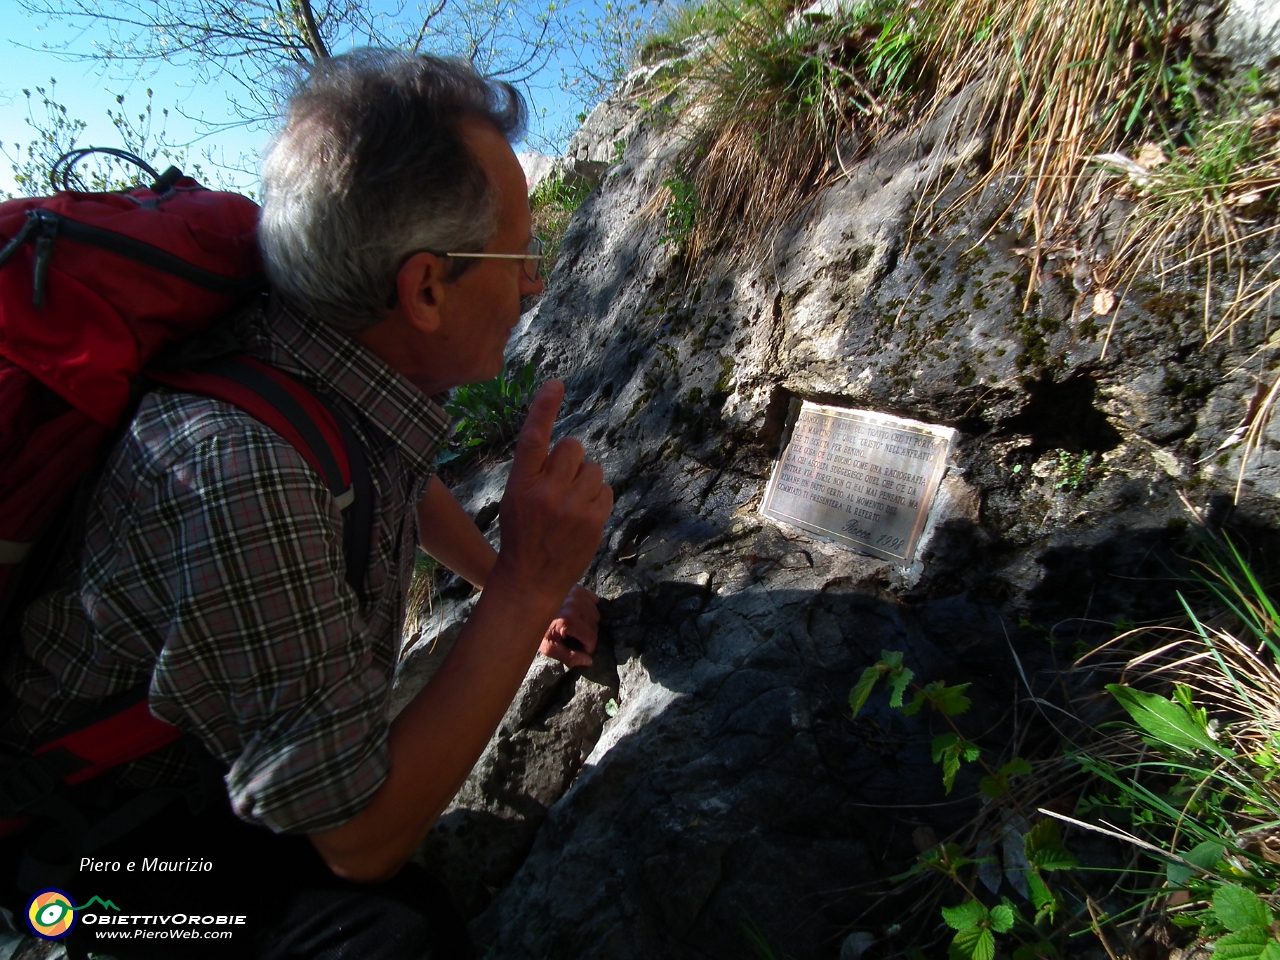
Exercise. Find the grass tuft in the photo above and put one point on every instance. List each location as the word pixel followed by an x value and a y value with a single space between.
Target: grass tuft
pixel 553 204
pixel 1162 794
pixel 787 99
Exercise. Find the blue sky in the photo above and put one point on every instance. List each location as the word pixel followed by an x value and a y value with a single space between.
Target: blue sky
pixel 88 92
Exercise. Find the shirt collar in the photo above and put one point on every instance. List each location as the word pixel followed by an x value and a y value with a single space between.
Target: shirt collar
pixel 409 418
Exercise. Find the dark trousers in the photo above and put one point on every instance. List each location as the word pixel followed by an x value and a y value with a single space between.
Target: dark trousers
pixel 293 906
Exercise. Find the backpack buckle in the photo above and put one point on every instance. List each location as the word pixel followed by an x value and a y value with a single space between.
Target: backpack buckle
pixel 22 784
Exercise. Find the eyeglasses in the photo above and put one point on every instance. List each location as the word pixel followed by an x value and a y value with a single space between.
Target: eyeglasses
pixel 532 259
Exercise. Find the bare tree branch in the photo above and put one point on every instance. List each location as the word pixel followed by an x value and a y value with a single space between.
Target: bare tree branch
pixel 417 42
pixel 261 45
pixel 315 41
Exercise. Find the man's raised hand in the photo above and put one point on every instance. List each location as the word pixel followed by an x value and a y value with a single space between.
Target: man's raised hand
pixel 554 509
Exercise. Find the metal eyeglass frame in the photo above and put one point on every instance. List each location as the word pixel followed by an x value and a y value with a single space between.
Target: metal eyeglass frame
pixel 536 253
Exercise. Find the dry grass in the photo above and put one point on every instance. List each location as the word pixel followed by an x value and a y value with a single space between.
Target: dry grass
pixel 786 100
pixel 1155 803
pixel 789 102
pixel 1204 218
pixel 1059 83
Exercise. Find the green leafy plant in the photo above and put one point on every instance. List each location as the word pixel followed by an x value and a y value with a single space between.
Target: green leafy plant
pixel 1076 470
pixel 489 414
pixel 1183 790
pixel 1193 772
pixel 976 926
pixel 949 750
pixel 1250 922
pixel 681 212
pixel 553 204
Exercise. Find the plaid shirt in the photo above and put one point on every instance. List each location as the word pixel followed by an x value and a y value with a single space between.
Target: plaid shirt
pixel 213 563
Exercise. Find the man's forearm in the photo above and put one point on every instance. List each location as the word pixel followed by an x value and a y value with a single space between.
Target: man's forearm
pixel 438 737
pixel 449 535
pixel 553 514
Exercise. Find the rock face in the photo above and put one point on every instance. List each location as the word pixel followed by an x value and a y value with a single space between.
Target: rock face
pixel 712 787
pixel 1250 32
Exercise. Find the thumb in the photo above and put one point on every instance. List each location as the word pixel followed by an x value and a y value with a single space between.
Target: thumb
pixel 535 435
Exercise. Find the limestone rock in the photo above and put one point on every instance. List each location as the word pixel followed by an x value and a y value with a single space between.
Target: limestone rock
pixel 730 788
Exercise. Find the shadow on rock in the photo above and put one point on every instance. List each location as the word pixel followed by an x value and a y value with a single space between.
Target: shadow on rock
pixel 733 789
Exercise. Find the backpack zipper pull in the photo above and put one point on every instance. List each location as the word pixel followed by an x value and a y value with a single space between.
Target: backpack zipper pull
pixel 46 234
pixel 18 240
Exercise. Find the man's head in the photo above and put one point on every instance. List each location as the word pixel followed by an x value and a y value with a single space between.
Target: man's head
pixel 374 164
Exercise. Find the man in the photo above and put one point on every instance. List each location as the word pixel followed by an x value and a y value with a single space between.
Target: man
pixel 396 235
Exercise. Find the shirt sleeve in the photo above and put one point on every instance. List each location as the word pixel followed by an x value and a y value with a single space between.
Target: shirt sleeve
pixel 265 657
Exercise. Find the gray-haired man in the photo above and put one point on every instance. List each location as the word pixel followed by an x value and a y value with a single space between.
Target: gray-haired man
pixel 396 233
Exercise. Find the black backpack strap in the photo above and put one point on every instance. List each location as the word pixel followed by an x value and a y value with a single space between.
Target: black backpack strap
pixel 357 531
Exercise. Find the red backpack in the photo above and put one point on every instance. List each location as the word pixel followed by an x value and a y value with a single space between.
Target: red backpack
pixel 92 286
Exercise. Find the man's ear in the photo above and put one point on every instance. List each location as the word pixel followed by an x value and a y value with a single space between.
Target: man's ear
pixel 421 288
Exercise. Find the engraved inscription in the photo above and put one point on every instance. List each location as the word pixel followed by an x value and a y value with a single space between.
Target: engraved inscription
pixel 864 479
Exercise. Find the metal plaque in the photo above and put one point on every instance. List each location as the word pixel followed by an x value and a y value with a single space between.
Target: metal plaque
pixel 864 479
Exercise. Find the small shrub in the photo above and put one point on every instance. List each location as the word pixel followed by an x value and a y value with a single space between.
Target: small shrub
pixel 553 204
pixel 1075 471
pixel 422 589
pixel 1185 790
pixel 681 212
pixel 489 414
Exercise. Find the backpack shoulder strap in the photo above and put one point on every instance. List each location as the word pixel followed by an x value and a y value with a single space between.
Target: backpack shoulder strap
pixel 123 729
pixel 317 431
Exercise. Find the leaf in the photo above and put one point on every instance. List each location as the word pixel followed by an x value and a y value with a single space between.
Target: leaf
pixel 973 944
pixel 1236 908
pixel 1205 855
pixel 1247 943
pixel 965 916
pixel 948 749
pixel 1043 834
pixel 997 786
pixel 1017 767
pixel 1163 719
pixel 862 689
pixel 993 787
pixel 1045 847
pixel 1042 897
pixel 1150 155
pixel 1197 715
pixel 950 701
pixel 891 659
pixel 950 767
pixel 942 743
pixel 1104 301
pixel 1002 918
pixel 1054 858
pixel 898 681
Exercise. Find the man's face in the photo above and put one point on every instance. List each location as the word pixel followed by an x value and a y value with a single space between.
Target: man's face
pixel 482 306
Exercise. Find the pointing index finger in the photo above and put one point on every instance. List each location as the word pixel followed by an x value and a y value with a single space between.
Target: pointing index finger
pixel 535 435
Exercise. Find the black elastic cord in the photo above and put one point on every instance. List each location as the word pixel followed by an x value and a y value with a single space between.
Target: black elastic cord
pixel 64 166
